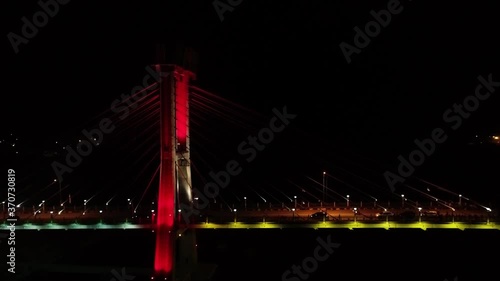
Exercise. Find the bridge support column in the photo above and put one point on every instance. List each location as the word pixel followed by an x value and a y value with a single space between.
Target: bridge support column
pixel 175 174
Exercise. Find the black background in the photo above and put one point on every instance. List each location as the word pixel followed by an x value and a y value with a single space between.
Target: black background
pixel 263 55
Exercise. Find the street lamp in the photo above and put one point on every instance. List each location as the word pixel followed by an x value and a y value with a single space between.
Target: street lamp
pixel 295 198
pixel 402 200
pixel 324 186
pixel 419 214
pixel 347 200
pixel 84 205
pixel 355 211
pixel 245 198
pixel 459 199
pixel 42 205
pixel 293 214
pixel 375 203
pixel 234 210
pixel 130 203
pixel 60 191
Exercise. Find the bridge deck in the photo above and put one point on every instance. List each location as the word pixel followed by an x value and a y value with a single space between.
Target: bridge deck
pixel 269 225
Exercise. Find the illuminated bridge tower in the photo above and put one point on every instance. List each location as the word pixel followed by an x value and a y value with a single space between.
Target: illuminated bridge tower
pixel 175 252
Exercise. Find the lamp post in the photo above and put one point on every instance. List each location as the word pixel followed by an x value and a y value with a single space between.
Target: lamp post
pixel 355 211
pixel 347 198
pixel 60 191
pixel 42 205
pixel 293 214
pixel 295 199
pixel 234 210
pixel 324 186
pixel 459 199
pixel 129 202
pixel 419 214
pixel 375 203
pixel 245 198
pixel 85 205
pixel 402 200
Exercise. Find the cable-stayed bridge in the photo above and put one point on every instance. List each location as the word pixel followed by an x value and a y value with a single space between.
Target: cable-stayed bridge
pixel 169 201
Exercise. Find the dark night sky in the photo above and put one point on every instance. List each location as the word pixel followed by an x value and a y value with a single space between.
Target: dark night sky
pixel 264 55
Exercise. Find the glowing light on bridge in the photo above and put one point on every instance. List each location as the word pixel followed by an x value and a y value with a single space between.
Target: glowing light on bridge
pixel 269 225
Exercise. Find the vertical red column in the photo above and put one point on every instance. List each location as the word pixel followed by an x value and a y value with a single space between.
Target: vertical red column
pixel 174 131
pixel 165 240
pixel 181 110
